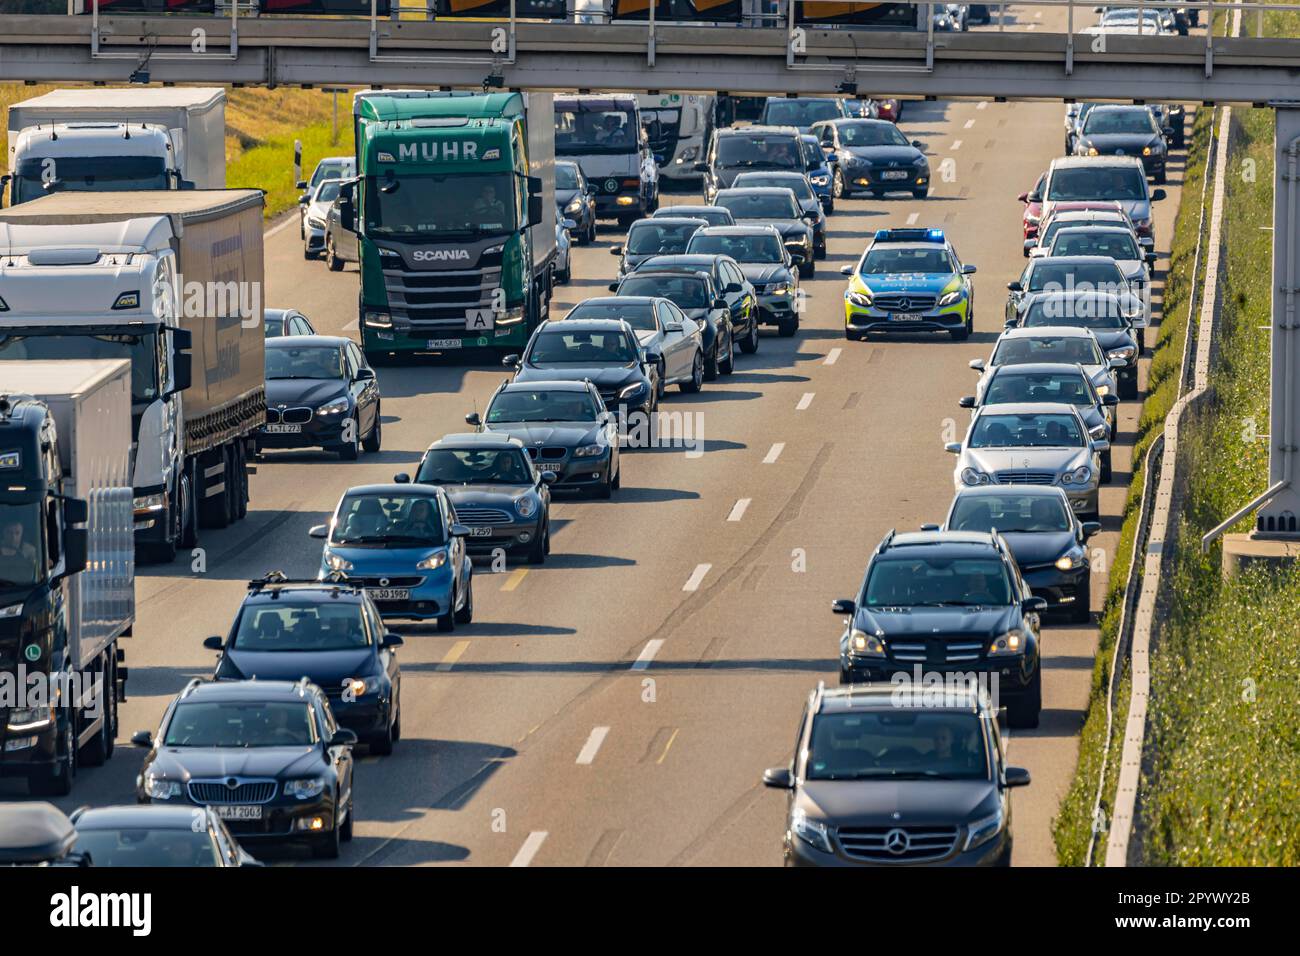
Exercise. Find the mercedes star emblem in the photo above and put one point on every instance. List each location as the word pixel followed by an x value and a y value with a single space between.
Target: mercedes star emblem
pixel 897 842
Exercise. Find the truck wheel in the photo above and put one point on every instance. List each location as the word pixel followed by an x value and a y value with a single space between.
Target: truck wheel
pixel 214 468
pixel 241 481
pixel 190 517
pixel 57 782
pixel 100 747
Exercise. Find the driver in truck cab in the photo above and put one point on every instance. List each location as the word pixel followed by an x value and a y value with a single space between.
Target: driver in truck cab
pixel 488 208
pixel 17 557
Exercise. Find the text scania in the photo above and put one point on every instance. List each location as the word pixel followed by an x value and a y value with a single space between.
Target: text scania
pixel 76 909
pixel 435 150
pixel 440 255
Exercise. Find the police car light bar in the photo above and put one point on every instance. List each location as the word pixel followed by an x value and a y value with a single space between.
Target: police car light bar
pixel 909 235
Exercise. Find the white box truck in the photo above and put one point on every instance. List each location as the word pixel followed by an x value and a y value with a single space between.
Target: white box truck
pixel 98 139
pixel 67 572
pixel 173 282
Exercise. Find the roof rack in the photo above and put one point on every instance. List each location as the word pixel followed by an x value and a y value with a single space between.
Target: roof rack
pixel 192 686
pixel 275 579
pixel 885 541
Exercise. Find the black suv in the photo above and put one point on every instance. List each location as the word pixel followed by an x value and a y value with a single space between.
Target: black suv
pixel 747 148
pixel 266 755
pixel 946 602
pixel 886 778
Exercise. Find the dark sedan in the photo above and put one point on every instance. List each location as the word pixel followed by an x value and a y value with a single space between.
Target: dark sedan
pixel 157 836
pixel 576 200
pixel 1125 131
pixel 768 268
pixel 699 298
pixel 278 322
pixel 780 209
pixel 1108 316
pixel 729 278
pixel 713 215
pixel 656 236
pixel 804 194
pixel 873 156
pixel 320 393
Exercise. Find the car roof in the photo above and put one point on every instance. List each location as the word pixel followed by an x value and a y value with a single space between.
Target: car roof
pixel 238 690
pixel 1048 331
pixel 863 697
pixel 739 130
pixel 1071 162
pixel 1090 227
pixel 1035 491
pixel 736 230
pixel 1026 408
pixel 788 173
pixel 298 341
pixel 586 325
pixel 753 190
pixel 557 385
pixel 611 300
pixel 670 220
pixel 391 488
pixel 154 816
pixel 1071 260
pixel 1062 295
pixel 478 439
pixel 844 120
pixel 949 543
pixel 1118 107
pixel 1037 368
pixel 32 832
pixel 682 260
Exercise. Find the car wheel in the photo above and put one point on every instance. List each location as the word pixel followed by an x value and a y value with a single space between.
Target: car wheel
pixel 786 328
pixel 727 364
pixel 1162 177
pixel 1081 610
pixel 1023 712
pixel 877 194
pixel 332 261
pixel 1105 468
pixel 960 334
pixel 830 207
pixel 819 252
pixel 345 834
pixel 692 385
pixel 713 366
pixel 381 745
pixel 845 679
pixel 308 254
pixel 352 450
pixel 466 614
pixel 1128 386
pixel 811 269
pixel 376 436
pixel 852 336
pixel 591 231
pixel 563 277
pixel 541 546
pixel 749 344
pixel 447 622
pixel 920 193
pixel 397 721
pixel 837 185
pixel 327 847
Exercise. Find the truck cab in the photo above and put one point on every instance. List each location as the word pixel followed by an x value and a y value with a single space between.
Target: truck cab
pixel 604 135
pixel 92 157
pixel 678 127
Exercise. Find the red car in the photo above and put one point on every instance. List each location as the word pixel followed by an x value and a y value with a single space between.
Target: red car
pixel 889 109
pixel 1033 201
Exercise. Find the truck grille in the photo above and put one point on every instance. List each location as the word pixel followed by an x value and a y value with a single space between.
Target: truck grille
pixel 216 791
pixel 898 844
pixel 483 516
pixel 905 302
pixel 438 301
pixel 1025 477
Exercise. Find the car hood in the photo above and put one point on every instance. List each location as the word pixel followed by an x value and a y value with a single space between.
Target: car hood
pixel 302 391
pixel 550 433
pixel 764 272
pixel 897 802
pixel 384 560
pixel 929 282
pixel 915 621
pixel 1112 339
pixel 185 763
pixel 324 668
pixel 787 227
pixel 565 196
pixel 602 376
pixel 486 495
pixel 318 210
pixel 1118 144
pixel 902 155
pixel 990 460
pixel 1038 547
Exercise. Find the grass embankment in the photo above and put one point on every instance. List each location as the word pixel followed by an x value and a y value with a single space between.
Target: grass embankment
pixel 1074 822
pixel 261 126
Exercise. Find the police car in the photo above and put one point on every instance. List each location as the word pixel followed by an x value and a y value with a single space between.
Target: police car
pixel 909 280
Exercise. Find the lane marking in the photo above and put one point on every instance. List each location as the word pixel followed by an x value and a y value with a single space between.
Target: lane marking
pixel 453 655
pixel 529 849
pixel 738 509
pixel 352 326
pixel 697 577
pixel 774 453
pixel 647 655
pixel 911 220
pixel 516 577
pixel 832 356
pixel 956 145
pixel 981 104
pixel 589 749
pixel 668 746
pixel 804 402
pixel 969 124
pixel 289 221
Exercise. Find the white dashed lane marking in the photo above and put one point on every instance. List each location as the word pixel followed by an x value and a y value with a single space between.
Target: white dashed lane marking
pixel 590 748
pixel 738 509
pixel 774 453
pixel 697 577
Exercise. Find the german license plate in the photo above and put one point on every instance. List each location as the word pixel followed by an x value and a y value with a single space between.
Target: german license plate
pixel 894 174
pixel 480 532
pixel 442 344
pixel 281 429
pixel 238 812
pixel 905 317
pixel 389 594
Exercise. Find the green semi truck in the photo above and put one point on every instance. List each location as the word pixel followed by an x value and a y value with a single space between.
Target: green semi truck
pixel 454 212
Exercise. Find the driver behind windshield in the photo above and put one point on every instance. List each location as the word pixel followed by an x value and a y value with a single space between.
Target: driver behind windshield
pixel 18 560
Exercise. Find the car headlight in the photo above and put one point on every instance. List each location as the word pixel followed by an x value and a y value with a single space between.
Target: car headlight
pixel 337 563
pixel 144 504
pixel 1125 352
pixel 315 223
pixel 1155 149
pixel 1072 559
pixel 1007 645
pixel 304 789
pixel 862 644
pixel 920 161
pixel 1099 431
pixel 813 832
pixel 820 180
pixel 1142 225
pixel 335 407
pixel 526 506
pixel 588 451
pixel 574 206
pixel 973 476
pixel 981 831
pixel 24 719
pixel 634 389
pixel 159 789
pixel 1079 476
pixel 1103 390
pixel 951 297
pixel 1092 151
pixel 13 610
pixel 433 561
pixel 781 288
pixel 379 320
pixel 360 686
pixel 859 298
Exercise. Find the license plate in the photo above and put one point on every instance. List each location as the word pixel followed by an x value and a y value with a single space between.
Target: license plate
pixel 480 532
pixel 894 174
pixel 479 320
pixel 280 429
pixel 238 812
pixel 905 317
pixel 389 594
pixel 442 344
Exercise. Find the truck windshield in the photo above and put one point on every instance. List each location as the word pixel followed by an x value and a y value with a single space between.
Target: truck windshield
pixel 20 544
pixel 140 348
pixel 38 175
pixel 433 205
pixel 582 130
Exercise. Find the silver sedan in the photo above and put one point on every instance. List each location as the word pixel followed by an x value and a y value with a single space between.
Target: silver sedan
pixel 314 218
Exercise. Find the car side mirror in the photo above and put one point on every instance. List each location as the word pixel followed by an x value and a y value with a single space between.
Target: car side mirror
pixel 615 250
pixel 917 144
pixel 142 738
pixel 1100 445
pixel 1090 528
pixel 390 640
pixel 968 270
pixel 701 167
pixel 304 199
pixel 719 303
pixel 473 419
pixel 831 157
pixel 778 778
pixel 549 477
pixel 1034 605
pixel 842 606
pixel 569 224
pixel 318 531
pixel 929 526
pixel 1150 258
pixel 952 447
pixel 510 361
pixel 1013 286
pixel 846 270
pixel 976 364
pixel 343 738
pixel 458 530
pixel 734 287
pixel 810 216
pixel 214 643
pixel 1110 400
pixel 1117 363
pixel 365 375
pixel 672 327
pixel 613 287
pixel 1016 777
pixel 966 401
pixel 1158 195
pixel 401 478
pixel 300 184
pixel 347 207
pixel 1029 244
pixel 1023 197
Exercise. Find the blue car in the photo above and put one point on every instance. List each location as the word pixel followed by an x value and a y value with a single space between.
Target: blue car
pixel 405 546
pixel 819 172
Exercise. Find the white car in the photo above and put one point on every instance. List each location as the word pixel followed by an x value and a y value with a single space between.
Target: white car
pixel 331 167
pixel 563 268
pixel 315 215
pixel 1115 242
pixel 1053 343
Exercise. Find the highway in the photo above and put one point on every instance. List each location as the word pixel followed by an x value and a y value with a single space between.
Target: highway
pixel 618 705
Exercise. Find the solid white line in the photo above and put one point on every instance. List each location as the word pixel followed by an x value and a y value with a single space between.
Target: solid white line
pixel 774 453
pixel 529 849
pixel 738 509
pixel 833 356
pixel 805 401
pixel 647 655
pixel 911 220
pixel 696 578
pixel 352 326
pixel 280 228
pixel 588 752
pixel 956 145
pixel 969 124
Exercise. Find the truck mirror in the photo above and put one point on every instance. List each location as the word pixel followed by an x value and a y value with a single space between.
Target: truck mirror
pixel 74 550
pixel 534 186
pixel 534 209
pixel 188 184
pixel 75 511
pixel 182 371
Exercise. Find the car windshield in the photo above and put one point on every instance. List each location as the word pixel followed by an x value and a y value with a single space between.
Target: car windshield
pixel 1046 275
pixel 327 191
pixel 329 170
pixel 273 325
pixel 937 581
pixel 1110 243
pixel 1084 311
pixel 685 292
pixel 1065 388
pixel 1057 224
pixel 1068 350
pixel 304 361
pixel 713 215
pixel 586 129
pixel 871 134
pixel 760 205
pixel 761 247
pixel 771 150
pixel 243 724
pixel 601 347
pixel 1010 512
pixel 785 112
pixel 566 176
pixel 1104 122
pixel 659 237
pixel 137 846
pixel 927 260
pixel 898 742
pixel 639 315
pixel 1097 182
pixel 40 176
pixel 796 184
pixel 20 544
pixel 388 521
pixel 440 206
pixel 1031 430
pixel 301 626
pixel 475 466
pixel 542 406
